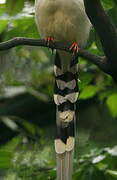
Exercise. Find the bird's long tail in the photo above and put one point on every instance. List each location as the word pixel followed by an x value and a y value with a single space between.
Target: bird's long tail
pixel 65 97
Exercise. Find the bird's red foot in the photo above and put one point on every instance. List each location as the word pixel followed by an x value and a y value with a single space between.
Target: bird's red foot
pixel 74 47
pixel 49 40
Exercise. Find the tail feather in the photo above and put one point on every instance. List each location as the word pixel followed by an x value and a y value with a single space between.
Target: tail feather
pixel 61 159
pixel 61 168
pixel 69 164
pixel 65 97
pixel 64 157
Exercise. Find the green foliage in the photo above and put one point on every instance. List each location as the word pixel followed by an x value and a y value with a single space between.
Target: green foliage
pixel 5 159
pixel 20 28
pixel 98 164
pixel 35 161
pixel 108 4
pixel 29 161
pixel 14 7
pixel 112 104
pixel 3 25
pixel 85 79
pixel 30 70
pixel 89 92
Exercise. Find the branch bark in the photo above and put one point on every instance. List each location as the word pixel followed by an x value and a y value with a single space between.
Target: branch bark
pixel 97 60
pixel 106 32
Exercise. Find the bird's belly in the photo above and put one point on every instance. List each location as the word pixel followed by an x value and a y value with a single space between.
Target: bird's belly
pixel 66 23
pixel 60 27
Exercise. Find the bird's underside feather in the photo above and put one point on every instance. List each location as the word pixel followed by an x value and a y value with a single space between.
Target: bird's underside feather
pixel 64 20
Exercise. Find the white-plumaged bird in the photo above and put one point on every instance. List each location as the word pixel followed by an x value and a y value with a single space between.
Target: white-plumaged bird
pixel 65 21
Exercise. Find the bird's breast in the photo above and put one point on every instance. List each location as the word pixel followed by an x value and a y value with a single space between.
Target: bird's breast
pixel 65 20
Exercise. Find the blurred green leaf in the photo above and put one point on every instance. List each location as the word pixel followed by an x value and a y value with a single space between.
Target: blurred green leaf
pixel 5 159
pixel 12 144
pixel 13 7
pixel 112 173
pixel 88 92
pixel 2 9
pixel 3 25
pixel 112 104
pixel 108 4
pixel 24 27
pixel 30 127
pixel 112 151
pixel 85 79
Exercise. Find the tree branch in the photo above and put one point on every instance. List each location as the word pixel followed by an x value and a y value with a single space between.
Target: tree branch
pixel 103 26
pixel 106 32
pixel 97 60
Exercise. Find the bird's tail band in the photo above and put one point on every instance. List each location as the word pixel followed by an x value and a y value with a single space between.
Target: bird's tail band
pixel 65 97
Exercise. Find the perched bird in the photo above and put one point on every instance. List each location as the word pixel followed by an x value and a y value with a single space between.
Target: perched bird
pixel 65 21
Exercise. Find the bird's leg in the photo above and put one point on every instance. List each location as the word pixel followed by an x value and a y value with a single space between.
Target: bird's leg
pixel 74 47
pixel 49 40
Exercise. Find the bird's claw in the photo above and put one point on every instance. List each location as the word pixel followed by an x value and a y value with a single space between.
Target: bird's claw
pixel 49 40
pixel 74 47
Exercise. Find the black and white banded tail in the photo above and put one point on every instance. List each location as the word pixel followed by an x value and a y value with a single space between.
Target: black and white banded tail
pixel 65 97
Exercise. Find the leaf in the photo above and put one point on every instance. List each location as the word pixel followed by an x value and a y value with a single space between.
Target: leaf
pixel 112 173
pixel 108 4
pixel 12 144
pixel 97 159
pixel 85 79
pixel 2 9
pixel 3 25
pixel 30 127
pixel 88 92
pixel 112 104
pixel 24 26
pixel 5 159
pixel 112 151
pixel 14 7
pixel 101 166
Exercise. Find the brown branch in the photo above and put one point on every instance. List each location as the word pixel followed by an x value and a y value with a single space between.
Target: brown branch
pixel 97 60
pixel 106 32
